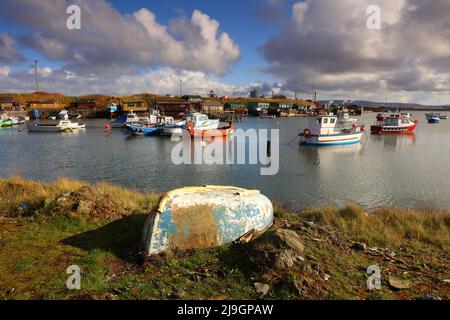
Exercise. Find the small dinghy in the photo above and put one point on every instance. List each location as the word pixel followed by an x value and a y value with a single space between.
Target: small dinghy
pixel 205 217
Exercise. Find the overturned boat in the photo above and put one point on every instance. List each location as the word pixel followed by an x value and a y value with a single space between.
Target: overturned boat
pixel 205 217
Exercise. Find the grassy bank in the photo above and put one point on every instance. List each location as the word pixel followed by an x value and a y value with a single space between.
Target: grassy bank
pixel 44 228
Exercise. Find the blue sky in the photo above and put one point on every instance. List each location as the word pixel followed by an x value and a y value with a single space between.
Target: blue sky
pixel 285 46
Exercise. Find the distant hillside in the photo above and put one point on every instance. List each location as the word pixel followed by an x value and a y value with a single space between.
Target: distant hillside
pixel 391 105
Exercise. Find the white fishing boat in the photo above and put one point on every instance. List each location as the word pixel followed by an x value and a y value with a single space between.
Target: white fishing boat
pixel 132 119
pixel 169 126
pixel 49 126
pixel 344 117
pixel 199 121
pixel 64 115
pixel 326 131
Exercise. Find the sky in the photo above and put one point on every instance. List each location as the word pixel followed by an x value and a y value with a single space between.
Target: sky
pixel 232 47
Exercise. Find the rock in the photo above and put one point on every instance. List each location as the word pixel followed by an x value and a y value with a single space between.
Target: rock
pixel 446 280
pixel 326 276
pixel 359 246
pixel 179 294
pixel 286 259
pixel 290 239
pixel 85 206
pixel 309 223
pixel 261 288
pixel 279 249
pixel 398 283
pixel 430 296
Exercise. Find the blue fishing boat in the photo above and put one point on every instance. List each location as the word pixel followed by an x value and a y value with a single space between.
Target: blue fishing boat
pixel 433 117
pixel 205 217
pixel 143 130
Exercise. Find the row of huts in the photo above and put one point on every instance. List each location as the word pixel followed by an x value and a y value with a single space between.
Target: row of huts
pixel 219 107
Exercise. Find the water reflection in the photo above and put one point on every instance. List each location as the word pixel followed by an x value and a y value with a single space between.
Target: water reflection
pixel 396 142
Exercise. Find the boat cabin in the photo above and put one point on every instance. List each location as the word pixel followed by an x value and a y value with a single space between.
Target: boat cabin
pixel 322 125
pixel 395 121
pixel 164 120
pixel 197 118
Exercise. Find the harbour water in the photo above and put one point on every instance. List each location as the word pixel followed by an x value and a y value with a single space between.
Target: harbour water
pixel 396 170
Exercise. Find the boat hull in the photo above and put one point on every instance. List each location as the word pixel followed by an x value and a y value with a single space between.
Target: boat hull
pixel 143 131
pixel 6 123
pixel 209 134
pixel 38 128
pixel 332 140
pixel 205 217
pixel 392 129
pixel 434 120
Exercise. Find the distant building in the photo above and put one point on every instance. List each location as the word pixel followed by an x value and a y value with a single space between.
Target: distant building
pixel 212 106
pixel 8 104
pixel 236 107
pixel 135 106
pixel 84 107
pixel 256 106
pixel 44 104
pixel 176 109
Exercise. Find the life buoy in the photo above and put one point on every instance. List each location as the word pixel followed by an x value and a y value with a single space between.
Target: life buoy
pixel 307 133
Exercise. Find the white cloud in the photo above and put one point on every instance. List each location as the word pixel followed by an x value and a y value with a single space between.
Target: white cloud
pixel 328 47
pixel 4 71
pixel 108 37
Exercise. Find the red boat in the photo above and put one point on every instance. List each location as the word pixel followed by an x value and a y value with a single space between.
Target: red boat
pixel 381 117
pixel 394 124
pixel 211 133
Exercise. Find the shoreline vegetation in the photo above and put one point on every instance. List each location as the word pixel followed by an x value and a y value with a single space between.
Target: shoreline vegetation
pixel 319 253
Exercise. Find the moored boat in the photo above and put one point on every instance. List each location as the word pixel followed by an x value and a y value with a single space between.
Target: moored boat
pixel 205 217
pixel 111 109
pixel 140 130
pixel 433 117
pixel 169 126
pixel 6 122
pixel 381 116
pixel 49 126
pixel 394 124
pixel 225 131
pixel 326 131
pixel 199 121
pixel 344 117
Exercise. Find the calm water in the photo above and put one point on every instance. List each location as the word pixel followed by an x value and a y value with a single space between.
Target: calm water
pixel 399 170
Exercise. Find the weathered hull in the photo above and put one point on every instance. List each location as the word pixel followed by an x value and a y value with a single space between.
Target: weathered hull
pixel 205 217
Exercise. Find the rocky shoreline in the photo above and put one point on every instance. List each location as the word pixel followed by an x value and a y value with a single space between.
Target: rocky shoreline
pixel 319 253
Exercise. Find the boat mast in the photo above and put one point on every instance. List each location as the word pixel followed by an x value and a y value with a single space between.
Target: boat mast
pixel 36 75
